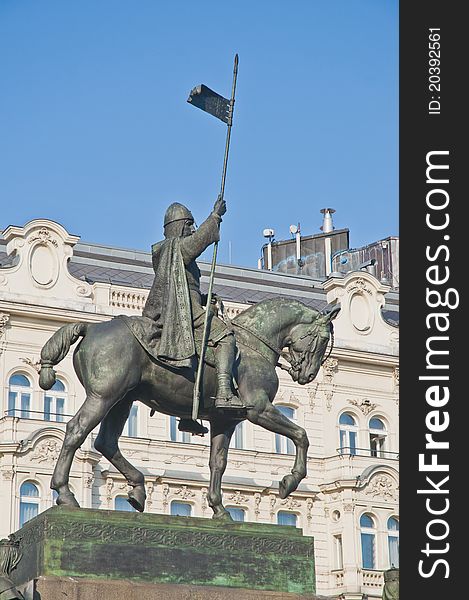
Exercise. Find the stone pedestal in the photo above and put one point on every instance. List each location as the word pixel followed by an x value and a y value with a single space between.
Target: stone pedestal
pixel 85 553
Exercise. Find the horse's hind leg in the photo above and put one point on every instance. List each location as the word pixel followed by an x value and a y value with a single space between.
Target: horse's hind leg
pixel 220 433
pixel 268 416
pixel 107 443
pixel 87 418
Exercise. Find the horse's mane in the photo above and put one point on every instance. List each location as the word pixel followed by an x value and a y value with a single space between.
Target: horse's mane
pixel 272 305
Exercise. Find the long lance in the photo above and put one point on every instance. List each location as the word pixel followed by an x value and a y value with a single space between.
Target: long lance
pixel 196 396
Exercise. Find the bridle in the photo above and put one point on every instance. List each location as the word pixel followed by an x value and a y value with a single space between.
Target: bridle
pixel 295 363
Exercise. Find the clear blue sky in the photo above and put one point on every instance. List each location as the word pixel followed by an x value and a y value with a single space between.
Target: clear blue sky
pixel 96 133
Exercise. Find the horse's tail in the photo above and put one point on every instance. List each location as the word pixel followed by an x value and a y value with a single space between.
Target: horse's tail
pixel 55 350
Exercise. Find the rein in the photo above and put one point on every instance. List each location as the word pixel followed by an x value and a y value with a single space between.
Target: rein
pixel 295 363
pixel 259 337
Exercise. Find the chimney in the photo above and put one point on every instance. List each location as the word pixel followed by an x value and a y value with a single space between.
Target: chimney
pixel 327 227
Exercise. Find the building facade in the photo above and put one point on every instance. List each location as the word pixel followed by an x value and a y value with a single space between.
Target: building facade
pixel 349 500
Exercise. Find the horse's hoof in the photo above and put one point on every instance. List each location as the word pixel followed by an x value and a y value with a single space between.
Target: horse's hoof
pixel 223 516
pixel 137 497
pixel 67 500
pixel 288 485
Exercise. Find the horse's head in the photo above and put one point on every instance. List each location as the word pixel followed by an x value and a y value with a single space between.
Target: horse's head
pixel 307 346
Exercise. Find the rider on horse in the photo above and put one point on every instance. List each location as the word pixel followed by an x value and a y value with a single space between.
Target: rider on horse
pixel 176 303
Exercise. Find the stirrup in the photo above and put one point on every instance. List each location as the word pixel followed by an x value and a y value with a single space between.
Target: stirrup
pixel 192 426
pixel 229 402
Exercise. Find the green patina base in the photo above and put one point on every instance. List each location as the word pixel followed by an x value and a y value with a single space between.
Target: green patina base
pixel 99 545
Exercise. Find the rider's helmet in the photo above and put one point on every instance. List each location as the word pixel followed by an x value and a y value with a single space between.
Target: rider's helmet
pixel 177 212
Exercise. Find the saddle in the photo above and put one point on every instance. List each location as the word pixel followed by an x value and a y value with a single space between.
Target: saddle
pixel 148 334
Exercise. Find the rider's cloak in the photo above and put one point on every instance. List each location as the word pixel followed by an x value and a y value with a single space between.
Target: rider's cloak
pixel 174 299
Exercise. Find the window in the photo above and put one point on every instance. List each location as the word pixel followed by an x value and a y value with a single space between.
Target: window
pixel 29 502
pixel 393 541
pixel 338 552
pixel 175 434
pixel 284 445
pixel 286 518
pixel 54 402
pixel 131 425
pixel 181 509
pixel 120 503
pixel 368 540
pixel 377 437
pixel 237 514
pixel 19 396
pixel 237 441
pixel 348 434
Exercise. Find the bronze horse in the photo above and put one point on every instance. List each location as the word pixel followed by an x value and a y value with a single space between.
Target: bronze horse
pixel 116 371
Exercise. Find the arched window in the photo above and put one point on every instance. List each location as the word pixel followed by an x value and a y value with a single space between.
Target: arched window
pixel 237 514
pixel 176 435
pixel 54 402
pixel 131 426
pixel 120 503
pixel 348 431
pixel 29 501
pixel 286 518
pixel 19 396
pixel 237 440
pixel 181 509
pixel 393 541
pixel 377 437
pixel 284 445
pixel 368 540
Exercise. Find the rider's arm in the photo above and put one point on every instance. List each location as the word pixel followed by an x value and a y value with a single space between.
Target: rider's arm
pixel 208 233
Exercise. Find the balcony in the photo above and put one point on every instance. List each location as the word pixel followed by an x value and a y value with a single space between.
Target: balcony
pixel 369 452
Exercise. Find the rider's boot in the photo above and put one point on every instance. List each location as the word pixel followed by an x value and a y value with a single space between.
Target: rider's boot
pixel 225 352
pixel 193 427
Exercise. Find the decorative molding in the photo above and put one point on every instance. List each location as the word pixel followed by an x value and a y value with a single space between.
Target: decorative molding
pixel 290 503
pixel 204 502
pixel 395 375
pixel 312 390
pixel 37 530
pixel 8 475
pixel 149 488
pixel 184 492
pixel 330 368
pixel 328 397
pixel 47 451
pixel 257 502
pixel 349 507
pixel 44 237
pixel 238 498
pixel 165 491
pixel 359 286
pixel 272 502
pixel 88 481
pixel 364 405
pixel 4 318
pixel 309 509
pixel 382 486
pixel 109 487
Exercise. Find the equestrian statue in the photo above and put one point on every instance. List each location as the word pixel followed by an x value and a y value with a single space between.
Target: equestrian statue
pixel 153 359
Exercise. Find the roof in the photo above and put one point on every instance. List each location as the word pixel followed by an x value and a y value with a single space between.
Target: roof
pixel 133 268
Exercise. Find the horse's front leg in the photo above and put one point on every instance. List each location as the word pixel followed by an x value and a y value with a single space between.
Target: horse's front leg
pixel 268 416
pixel 221 431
